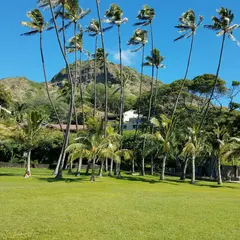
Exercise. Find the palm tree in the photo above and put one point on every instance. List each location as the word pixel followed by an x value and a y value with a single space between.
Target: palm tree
pixel 38 25
pixel 94 30
pixel 187 27
pixel 94 147
pixel 165 135
pixel 231 149
pixel 192 148
pixel 76 44
pixel 222 25
pixel 146 16
pixel 33 125
pixel 218 138
pixel 114 16
pixel 59 167
pixel 155 60
pixel 140 37
pixel 104 66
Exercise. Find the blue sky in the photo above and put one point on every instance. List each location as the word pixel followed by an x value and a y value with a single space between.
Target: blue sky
pixel 20 55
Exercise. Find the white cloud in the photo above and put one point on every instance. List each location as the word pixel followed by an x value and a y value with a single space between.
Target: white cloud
pixel 127 57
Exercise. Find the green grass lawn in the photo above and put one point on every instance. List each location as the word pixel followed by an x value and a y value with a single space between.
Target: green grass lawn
pixel 131 208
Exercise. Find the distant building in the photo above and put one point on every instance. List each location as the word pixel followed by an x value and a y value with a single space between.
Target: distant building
pixel 73 127
pixel 130 120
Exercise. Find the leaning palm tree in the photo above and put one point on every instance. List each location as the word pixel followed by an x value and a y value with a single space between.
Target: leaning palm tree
pixel 114 17
pixel 140 37
pixel 59 167
pixel 93 30
pixel 38 25
pixel 222 25
pixel 187 27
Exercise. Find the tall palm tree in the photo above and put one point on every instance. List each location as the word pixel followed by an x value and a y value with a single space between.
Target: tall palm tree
pixel 94 30
pixel 75 45
pixel 187 27
pixel 38 25
pixel 222 25
pixel 59 167
pixel 140 37
pixel 155 60
pixel 145 17
pixel 114 17
pixel 104 66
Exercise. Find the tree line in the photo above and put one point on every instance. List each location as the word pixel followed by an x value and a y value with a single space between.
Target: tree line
pixel 182 130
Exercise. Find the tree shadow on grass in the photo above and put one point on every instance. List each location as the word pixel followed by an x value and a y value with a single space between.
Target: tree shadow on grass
pixel 144 179
pixel 10 174
pixel 64 179
pixel 202 184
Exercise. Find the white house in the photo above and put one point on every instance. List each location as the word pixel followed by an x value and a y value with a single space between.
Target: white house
pixel 130 119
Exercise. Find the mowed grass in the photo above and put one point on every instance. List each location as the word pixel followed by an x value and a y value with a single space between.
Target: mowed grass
pixel 131 208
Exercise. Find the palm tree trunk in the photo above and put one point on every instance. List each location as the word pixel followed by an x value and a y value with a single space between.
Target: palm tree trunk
pixel 28 166
pixel 133 166
pixel 75 80
pixel 81 89
pixel 150 102
pixel 152 165
pixel 70 167
pixel 184 170
pixel 143 163
pixel 105 68
pixel 92 179
pixel 66 139
pixel 184 80
pixel 215 83
pixel 140 92
pixel 120 129
pixel 193 170
pixel 154 105
pixel 87 169
pixel 106 165
pixel 219 172
pixel 78 172
pixel 101 169
pixel 162 177
pixel 46 83
pixel 156 92
pixel 95 77
pixel 65 52
pixel 111 169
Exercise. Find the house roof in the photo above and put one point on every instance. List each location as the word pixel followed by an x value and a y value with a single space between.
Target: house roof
pixel 64 126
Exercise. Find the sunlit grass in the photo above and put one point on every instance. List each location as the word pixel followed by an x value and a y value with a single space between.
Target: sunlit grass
pixel 129 208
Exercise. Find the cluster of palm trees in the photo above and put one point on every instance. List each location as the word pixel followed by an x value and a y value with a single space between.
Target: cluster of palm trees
pixel 101 144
